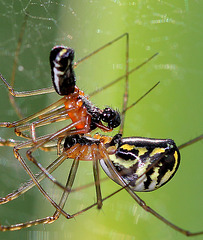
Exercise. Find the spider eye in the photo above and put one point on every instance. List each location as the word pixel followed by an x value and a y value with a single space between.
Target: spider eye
pixel 112 117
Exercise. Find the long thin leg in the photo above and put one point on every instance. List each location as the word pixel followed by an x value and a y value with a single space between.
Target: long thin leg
pixel 120 180
pixel 33 177
pixel 59 116
pixel 19 226
pixel 12 143
pixel 40 142
pixel 191 142
pixel 15 62
pixel 28 185
pixel 72 175
pixel 139 99
pixel 50 137
pixel 125 186
pixel 33 125
pixel 97 183
pixel 121 77
pixel 100 49
pixel 145 207
pixel 56 215
pixel 26 93
pixel 39 123
pixel 55 165
pixel 125 96
pixel 9 142
pixel 53 112
pixel 69 184
pixel 35 115
pixel 51 89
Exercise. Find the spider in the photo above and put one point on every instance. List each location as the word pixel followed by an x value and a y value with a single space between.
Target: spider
pixel 111 152
pixel 135 163
pixel 84 115
pixel 74 105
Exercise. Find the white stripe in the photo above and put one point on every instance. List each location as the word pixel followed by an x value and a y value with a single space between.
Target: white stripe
pixel 56 79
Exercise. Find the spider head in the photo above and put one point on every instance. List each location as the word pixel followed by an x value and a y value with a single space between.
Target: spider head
pixel 111 117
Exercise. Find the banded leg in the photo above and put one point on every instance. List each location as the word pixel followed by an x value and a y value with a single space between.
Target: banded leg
pixel 56 215
pixel 30 184
pixel 33 116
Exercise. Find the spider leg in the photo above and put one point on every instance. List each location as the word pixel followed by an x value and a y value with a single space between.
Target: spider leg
pixel 57 213
pixel 41 122
pixel 121 77
pixel 145 207
pixel 40 142
pixel 35 115
pixel 69 184
pixel 95 204
pixel 33 177
pixel 9 142
pixel 97 180
pixel 30 184
pixel 15 62
pixel 54 112
pixel 125 96
pixel 121 181
pixel 100 49
pixel 81 154
pixel 45 120
pixel 12 143
pixel 50 89
pixel 139 99
pixel 26 93
pixel 19 226
pixel 194 140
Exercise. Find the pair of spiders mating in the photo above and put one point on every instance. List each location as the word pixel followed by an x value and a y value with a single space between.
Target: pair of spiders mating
pixel 135 163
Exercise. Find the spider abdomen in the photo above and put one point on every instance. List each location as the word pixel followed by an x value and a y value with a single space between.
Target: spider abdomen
pixel 145 164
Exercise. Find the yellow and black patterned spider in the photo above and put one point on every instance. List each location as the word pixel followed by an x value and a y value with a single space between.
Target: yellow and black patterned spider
pixel 137 164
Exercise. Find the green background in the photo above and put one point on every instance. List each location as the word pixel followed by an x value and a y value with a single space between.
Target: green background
pixel 173 110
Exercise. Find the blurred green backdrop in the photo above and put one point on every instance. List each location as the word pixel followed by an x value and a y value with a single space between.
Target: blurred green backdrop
pixel 173 110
